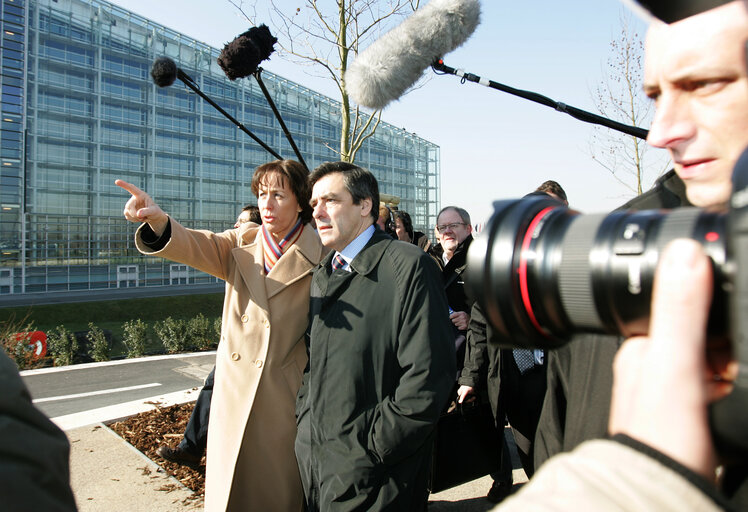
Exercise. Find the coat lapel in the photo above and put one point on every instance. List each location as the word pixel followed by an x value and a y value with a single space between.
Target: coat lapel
pixel 249 262
pixel 295 264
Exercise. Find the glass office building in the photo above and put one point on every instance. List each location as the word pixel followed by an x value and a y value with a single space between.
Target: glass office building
pixel 79 109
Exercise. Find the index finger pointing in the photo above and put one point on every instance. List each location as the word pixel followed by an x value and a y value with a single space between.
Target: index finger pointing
pixel 129 187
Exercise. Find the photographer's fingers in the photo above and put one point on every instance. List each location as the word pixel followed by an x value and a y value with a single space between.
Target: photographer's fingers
pixel 659 394
pixel 681 298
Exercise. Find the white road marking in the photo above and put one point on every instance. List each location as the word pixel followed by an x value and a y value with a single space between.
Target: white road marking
pixel 94 393
pixel 85 366
pixel 119 411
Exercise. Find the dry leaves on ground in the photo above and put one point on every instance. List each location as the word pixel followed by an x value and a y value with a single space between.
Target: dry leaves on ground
pixel 164 425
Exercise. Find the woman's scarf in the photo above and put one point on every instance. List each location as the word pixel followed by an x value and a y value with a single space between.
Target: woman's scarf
pixel 273 251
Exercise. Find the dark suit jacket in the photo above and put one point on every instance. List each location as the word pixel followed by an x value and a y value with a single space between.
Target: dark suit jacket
pixel 492 372
pixel 381 369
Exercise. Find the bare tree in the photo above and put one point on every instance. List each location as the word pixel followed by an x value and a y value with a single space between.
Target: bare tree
pixel 619 96
pixel 327 38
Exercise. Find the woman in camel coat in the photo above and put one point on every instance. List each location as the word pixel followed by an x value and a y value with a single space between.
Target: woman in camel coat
pixel 261 355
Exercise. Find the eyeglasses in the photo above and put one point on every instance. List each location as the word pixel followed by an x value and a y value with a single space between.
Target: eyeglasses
pixel 452 227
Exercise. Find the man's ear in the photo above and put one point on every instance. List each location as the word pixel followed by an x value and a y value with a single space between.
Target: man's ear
pixel 469 229
pixel 366 207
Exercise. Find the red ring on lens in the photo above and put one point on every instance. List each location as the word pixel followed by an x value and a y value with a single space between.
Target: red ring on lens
pixel 523 289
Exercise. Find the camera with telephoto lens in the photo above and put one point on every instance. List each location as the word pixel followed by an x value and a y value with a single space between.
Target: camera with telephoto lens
pixel 542 272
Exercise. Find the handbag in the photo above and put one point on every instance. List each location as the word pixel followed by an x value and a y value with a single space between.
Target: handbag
pixel 467 445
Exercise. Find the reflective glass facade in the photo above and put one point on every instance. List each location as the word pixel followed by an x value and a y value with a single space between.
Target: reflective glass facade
pixel 79 110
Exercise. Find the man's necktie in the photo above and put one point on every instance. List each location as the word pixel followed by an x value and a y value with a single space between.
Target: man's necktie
pixel 338 262
pixel 525 359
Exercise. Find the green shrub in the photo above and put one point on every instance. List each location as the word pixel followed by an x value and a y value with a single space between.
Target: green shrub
pixel 201 332
pixel 62 346
pixel 217 327
pixel 173 334
pixel 134 337
pixel 97 343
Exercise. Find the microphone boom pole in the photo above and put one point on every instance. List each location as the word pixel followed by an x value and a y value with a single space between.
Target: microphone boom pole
pixel 574 112
pixel 189 82
pixel 287 133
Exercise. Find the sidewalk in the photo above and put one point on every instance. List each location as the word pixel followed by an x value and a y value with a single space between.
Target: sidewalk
pixel 108 474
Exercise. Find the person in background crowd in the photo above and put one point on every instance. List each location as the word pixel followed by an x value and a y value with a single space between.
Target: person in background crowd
pixel 249 213
pixel 381 357
pixel 385 221
pixel 553 189
pixel 261 354
pixel 481 377
pixel 190 451
pixel 454 233
pixel 404 231
pixel 515 381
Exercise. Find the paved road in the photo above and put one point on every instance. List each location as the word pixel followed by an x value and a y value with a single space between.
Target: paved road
pixel 72 389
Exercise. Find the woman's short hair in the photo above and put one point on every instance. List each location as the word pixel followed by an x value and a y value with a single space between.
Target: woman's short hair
pixel 292 173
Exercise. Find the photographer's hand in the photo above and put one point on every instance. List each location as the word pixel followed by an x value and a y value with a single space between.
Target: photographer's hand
pixel 662 382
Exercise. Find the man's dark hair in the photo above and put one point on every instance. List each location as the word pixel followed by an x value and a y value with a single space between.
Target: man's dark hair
pixel 292 173
pixel 407 222
pixel 254 213
pixel 359 182
pixel 554 188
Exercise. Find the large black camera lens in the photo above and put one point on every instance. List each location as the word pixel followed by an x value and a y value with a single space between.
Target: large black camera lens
pixel 542 272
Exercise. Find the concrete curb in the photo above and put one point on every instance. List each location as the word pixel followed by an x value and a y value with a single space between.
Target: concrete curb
pixel 120 411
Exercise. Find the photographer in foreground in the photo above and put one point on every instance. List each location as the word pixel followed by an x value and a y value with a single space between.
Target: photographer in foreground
pixel 661 456
pixel 695 72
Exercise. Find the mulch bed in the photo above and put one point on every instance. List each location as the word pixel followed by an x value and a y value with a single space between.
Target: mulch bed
pixel 164 425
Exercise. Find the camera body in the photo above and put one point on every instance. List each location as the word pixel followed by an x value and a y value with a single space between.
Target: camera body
pixel 542 272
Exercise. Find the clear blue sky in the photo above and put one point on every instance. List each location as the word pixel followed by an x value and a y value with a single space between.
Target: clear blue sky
pixel 493 145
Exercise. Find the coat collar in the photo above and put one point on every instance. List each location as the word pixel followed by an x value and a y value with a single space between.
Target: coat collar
pixel 364 263
pixel 368 257
pixel 299 261
pixel 459 258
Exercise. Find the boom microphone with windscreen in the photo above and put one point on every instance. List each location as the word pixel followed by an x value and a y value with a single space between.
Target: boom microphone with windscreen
pixel 165 71
pixel 394 62
pixel 243 55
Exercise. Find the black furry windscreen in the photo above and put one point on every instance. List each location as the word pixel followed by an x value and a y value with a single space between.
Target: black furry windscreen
pixel 164 71
pixel 240 57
